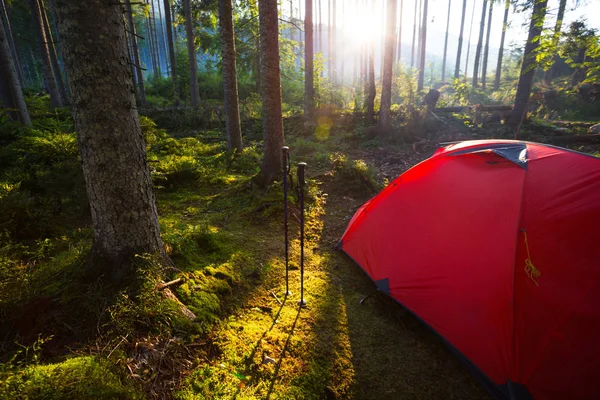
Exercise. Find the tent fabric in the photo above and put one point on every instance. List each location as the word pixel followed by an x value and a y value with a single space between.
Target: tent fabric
pixel 493 245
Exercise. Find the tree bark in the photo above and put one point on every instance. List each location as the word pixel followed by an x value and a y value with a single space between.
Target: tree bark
pixel 191 47
pixel 501 50
pixel 446 42
pixel 11 44
pixel 10 89
pixel 529 63
pixel 230 85
pixel 414 36
pixel 136 54
pixel 150 43
pixel 53 54
pixel 423 48
pixel 556 35
pixel 460 40
pixel 154 33
pixel 270 93
pixel 171 45
pixel 111 144
pixel 388 67
pixel 49 78
pixel 399 42
pixel 309 78
pixel 487 47
pixel 479 45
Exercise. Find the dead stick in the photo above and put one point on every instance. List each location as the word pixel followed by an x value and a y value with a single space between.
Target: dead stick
pixel 171 283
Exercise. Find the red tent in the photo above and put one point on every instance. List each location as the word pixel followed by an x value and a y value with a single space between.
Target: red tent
pixel 495 245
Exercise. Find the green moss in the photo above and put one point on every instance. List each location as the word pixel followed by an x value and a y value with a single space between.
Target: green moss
pixel 75 378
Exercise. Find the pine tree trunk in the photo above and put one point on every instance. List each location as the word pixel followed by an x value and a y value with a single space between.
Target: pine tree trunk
pixel 388 67
pixel 270 93
pixel 419 31
pixel 487 47
pixel 333 46
pixel 469 42
pixel 150 46
pixel 154 33
pixel 501 50
pixel 460 40
pixel 136 54
pixel 309 78
pixel 329 42
pixel 423 48
pixel 529 63
pixel 399 42
pixel 49 79
pixel 171 45
pixel 446 42
pixel 230 86
pixel 163 36
pixel 556 36
pixel 414 36
pixel 53 54
pixel 189 32
pixel 11 44
pixel 10 90
pixel 479 45
pixel 111 144
pixel 372 90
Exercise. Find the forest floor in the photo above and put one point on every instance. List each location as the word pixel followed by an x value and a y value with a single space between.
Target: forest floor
pixel 225 236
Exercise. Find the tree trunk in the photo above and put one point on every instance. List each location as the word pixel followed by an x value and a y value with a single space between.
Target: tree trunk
pixel 49 79
pixel 487 47
pixel 529 63
pixel 136 54
pixel 53 54
pixel 329 42
pixel 111 144
pixel 309 86
pixel 171 45
pixel 270 93
pixel 423 48
pixel 150 43
pixel 446 42
pixel 399 42
pixel 10 90
pixel 469 43
pixel 230 86
pixel 556 36
pixel 333 46
pixel 414 36
pixel 479 45
pixel 11 44
pixel 372 90
pixel 191 47
pixel 163 36
pixel 501 50
pixel 419 31
pixel 388 67
pixel 460 40
pixel 154 33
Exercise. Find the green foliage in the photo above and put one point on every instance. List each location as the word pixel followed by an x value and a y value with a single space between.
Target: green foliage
pixel 75 378
pixel 354 175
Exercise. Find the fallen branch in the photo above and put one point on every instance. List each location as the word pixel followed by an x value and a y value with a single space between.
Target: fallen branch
pixel 164 285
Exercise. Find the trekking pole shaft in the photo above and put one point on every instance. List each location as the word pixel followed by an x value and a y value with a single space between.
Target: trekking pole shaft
pixel 285 153
pixel 301 183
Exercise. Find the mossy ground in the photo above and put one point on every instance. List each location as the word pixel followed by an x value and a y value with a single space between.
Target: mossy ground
pixel 225 237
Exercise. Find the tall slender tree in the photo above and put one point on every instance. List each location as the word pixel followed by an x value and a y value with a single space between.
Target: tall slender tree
pixel 421 78
pixel 154 34
pixel 372 91
pixel 10 89
pixel 479 44
pixel 111 144
pixel 399 42
pixel 556 36
pixel 419 32
pixel 309 86
pixel 171 46
pixel 11 43
pixel 49 78
pixel 460 40
pixel 270 93
pixel 486 51
pixel 388 66
pixel 191 47
pixel 232 108
pixel 446 42
pixel 501 49
pixel 53 54
pixel 529 62
pixel 135 53
pixel 469 41
pixel 414 36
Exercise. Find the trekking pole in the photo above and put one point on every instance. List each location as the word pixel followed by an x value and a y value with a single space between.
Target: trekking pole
pixel 286 156
pixel 301 183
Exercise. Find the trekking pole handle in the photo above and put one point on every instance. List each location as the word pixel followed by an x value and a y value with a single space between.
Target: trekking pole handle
pixel 285 152
pixel 301 168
